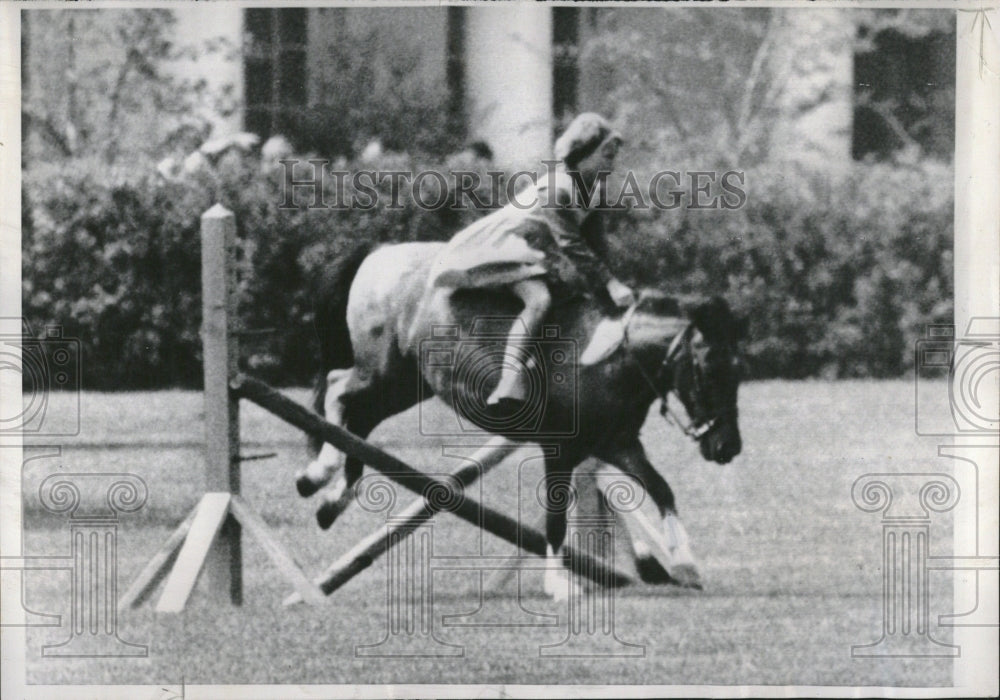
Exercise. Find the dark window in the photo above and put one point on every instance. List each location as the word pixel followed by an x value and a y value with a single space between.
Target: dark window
pixel 565 50
pixel 456 64
pixel 274 69
pixel 292 65
pixel 293 26
pixel 259 26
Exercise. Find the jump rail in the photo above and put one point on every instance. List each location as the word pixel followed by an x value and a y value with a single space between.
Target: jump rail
pixel 434 491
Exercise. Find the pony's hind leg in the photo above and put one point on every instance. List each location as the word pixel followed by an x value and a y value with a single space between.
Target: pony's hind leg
pixel 336 498
pixel 367 399
pixel 360 413
pixel 329 460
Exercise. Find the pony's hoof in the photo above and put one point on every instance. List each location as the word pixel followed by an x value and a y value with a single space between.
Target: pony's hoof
pixel 565 591
pixel 327 513
pixel 500 411
pixel 559 585
pixel 651 571
pixel 686 576
pixel 306 486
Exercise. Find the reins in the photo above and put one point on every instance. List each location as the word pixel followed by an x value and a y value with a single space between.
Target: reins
pixel 695 432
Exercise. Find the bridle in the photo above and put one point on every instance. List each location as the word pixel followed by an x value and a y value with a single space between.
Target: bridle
pixel 692 430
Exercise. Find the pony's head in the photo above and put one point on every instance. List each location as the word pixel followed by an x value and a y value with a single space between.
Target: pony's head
pixel 702 367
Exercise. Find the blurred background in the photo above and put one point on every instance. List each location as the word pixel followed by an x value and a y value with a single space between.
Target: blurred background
pixel 136 121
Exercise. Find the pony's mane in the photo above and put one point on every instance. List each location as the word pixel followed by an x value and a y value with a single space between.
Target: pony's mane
pixel 711 315
pixel 658 303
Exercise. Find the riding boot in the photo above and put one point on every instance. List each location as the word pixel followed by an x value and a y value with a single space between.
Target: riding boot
pixel 513 386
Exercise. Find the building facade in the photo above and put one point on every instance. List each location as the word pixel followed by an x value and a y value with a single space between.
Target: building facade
pixel 509 74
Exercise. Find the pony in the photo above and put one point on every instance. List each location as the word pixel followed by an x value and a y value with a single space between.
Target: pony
pixel 388 340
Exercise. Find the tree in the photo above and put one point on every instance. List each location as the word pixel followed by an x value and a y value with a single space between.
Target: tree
pixel 905 71
pixel 99 83
pixel 699 82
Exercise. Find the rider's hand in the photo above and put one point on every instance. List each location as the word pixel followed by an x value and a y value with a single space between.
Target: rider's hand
pixel 620 294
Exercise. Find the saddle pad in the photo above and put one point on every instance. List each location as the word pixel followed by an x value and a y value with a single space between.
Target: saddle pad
pixel 608 337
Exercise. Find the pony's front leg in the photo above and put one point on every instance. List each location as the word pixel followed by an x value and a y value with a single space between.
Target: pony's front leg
pixel 658 535
pixel 559 497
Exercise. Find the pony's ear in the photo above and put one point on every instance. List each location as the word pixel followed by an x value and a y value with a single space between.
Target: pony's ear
pixel 715 320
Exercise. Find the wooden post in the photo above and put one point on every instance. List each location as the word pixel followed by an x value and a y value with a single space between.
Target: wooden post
pixel 222 417
pixel 209 539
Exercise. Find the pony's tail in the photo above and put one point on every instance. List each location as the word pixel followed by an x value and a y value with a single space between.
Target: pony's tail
pixel 330 323
pixel 330 319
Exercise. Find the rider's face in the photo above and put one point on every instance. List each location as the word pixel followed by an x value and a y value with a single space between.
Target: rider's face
pixel 602 160
pixel 607 152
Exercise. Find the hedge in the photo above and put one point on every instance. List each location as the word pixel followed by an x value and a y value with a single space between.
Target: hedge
pixel 839 273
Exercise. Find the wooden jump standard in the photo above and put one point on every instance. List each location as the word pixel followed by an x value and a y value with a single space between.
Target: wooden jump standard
pixel 209 538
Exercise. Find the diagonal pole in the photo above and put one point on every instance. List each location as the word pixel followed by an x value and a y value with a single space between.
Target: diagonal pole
pixel 157 567
pixel 212 512
pixel 494 522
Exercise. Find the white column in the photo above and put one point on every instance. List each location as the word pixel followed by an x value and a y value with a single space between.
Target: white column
pixel 508 72
pixel 977 294
pixel 222 70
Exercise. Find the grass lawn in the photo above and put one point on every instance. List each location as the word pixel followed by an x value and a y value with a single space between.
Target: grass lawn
pixel 792 568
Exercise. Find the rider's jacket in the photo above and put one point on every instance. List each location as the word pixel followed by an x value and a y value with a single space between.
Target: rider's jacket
pixel 543 235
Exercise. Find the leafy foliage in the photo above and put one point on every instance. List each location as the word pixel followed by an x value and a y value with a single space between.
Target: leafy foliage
pixel 113 256
pixel 653 72
pixel 129 99
pixel 838 275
